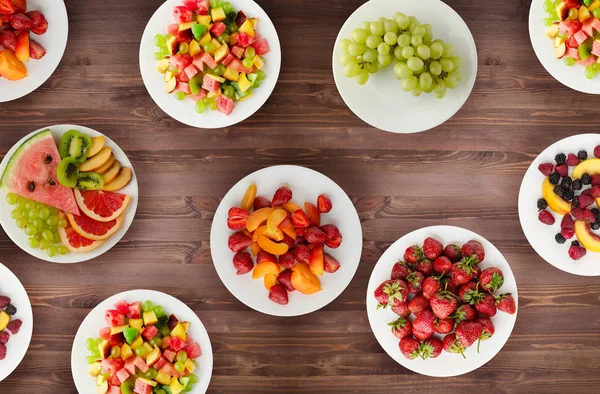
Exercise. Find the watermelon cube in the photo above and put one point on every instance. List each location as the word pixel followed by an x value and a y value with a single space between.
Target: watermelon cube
pixel 150 331
pixel 113 380
pixel 199 96
pixel 261 46
pixel 185 88
pixel 114 390
pixel 113 318
pixel 112 365
pixel 190 71
pixel 588 62
pixel 208 59
pixel 191 5
pixel 116 340
pixel 130 365
pixel 169 355
pixel 173 29
pixel 141 364
pixel 596 24
pixel 161 361
pixel 228 59
pixel 176 343
pixel 142 387
pixel 104 333
pixel 587 27
pixel 180 62
pixel 238 51
pixel 193 350
pixel 224 105
pixel 572 43
pixel 580 37
pixel 574 53
pixel 217 29
pixel 182 14
pixel 182 77
pixel 245 40
pixel 596 48
pixel 203 6
pixel 135 310
pixel 122 306
pixel 170 370
pixel 197 62
pixel 237 65
pixel 122 374
pixel 569 27
pixel 212 86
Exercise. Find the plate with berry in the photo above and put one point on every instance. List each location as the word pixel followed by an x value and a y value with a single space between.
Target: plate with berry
pixel 16 322
pixel 558 204
pixel 286 240
pixel 447 306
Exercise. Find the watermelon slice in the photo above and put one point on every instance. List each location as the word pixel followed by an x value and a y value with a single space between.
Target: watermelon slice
pixel 31 173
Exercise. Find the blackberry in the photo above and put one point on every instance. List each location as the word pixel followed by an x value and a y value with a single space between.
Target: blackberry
pixel 595 226
pixel 568 195
pixel 555 178
pixel 586 179
pixel 560 239
pixel 542 204
pixel 566 183
pixel 596 212
pixel 559 190
pixel 575 203
pixel 560 158
pixel 575 243
pixel 582 155
pixel 576 184
pixel 10 309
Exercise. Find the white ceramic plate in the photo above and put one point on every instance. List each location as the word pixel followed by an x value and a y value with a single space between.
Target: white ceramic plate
pixel 54 41
pixel 544 50
pixel 541 236
pixel 18 344
pixel 184 111
pixel 381 102
pixel 95 321
pixel 446 364
pixel 19 237
pixel 306 185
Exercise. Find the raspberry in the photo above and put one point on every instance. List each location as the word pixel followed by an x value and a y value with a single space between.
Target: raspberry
pixel 567 233
pixel 582 155
pixel 583 214
pixel 560 239
pixel 314 235
pixel 4 301
pixel 14 326
pixel 595 179
pixel 585 200
pixel 546 168
pixel 560 158
pixel 597 151
pixel 546 217
pixel 567 222
pixel 577 252
pixel 243 263
pixel 2 352
pixel 562 170
pixel 278 294
pixel 572 160
pixel 282 196
pixel 4 337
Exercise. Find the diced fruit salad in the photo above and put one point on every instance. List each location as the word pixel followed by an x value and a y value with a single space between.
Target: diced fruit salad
pixel 16 45
pixel 212 55
pixel 287 241
pixel 7 324
pixel 143 350
pixel 574 25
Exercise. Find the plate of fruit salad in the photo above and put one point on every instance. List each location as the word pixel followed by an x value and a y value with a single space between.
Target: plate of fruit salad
pixel 415 62
pixel 144 342
pixel 33 38
pixel 210 64
pixel 559 204
pixel 16 322
pixel 286 240
pixel 447 306
pixel 69 193
pixel 565 35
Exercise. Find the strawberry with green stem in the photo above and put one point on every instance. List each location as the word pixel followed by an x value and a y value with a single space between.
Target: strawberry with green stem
pixel 431 348
pixel 488 329
pixel 491 279
pixel 463 271
pixel 401 328
pixel 443 303
pixel 451 344
pixel 465 312
pixel 413 254
pixel 506 303
pixel 391 292
pixel 409 347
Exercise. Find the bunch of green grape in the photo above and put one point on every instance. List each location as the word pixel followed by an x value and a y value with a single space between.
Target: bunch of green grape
pixel 40 222
pixel 422 64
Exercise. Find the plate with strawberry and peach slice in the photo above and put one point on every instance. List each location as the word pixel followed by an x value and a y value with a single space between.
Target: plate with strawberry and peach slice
pixel 286 240
pixel 447 306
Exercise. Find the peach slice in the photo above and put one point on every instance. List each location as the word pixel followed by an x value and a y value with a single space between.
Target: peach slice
pixel 313 214
pixel 272 247
pixel 262 230
pixel 288 228
pixel 249 197
pixel 316 264
pixel 264 268
pixel 257 218
pixel 291 207
pixel 590 167
pixel 275 219
pixel 270 281
pixel 555 203
pixel 255 249
pixel 587 238
pixel 11 68
pixel 305 281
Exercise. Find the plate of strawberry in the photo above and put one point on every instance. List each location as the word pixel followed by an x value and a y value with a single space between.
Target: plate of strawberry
pixel 447 306
pixel 33 38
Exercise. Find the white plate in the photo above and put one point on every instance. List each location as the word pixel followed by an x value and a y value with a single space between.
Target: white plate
pixel 446 364
pixel 94 321
pixel 544 50
pixel 541 236
pixel 19 237
pixel 381 102
pixel 184 111
pixel 54 41
pixel 18 344
pixel 306 185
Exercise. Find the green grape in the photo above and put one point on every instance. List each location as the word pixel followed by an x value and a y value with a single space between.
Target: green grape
pixel 159 310
pixel 250 52
pixel 419 31
pixel 29 204
pixel 57 239
pixel 38 236
pixel 435 68
pixel 366 26
pixel 409 83
pixel 62 249
pixel 384 60
pixel 115 351
pixel 440 89
pixel 356 49
pixel 34 213
pixel 370 56
pixel 415 64
pixel 402 70
pixel 371 68
pixel 229 91
pixel 597 67
pixel 179 366
pixel 573 13
pixel 21 222
pixel 408 52
pixel 413 23
pixel 362 77
pixel 12 198
pixel 227 7
pixel 398 53
pixel 447 65
pixel 457 61
pixel 141 351
pixel 193 378
pixel 441 94
pixel 448 50
pixel 30 230
pixel 247 62
pixel 165 52
pixel 390 38
pixel 15 213
pixel 451 81
pixel 589 72
pixel 184 48
pixel 428 33
pixel 151 374
pixel 47 235
pixel 161 391
pixel 180 96
pixel 401 20
pixel 377 28
pixel 415 41
pixel 373 41
pixel 164 331
pixel 33 243
pixel 423 52
pixel 344 45
pixel 188 388
pixel 390 26
pixel 51 251
pixel 148 306
pixel 62 223
pixel 351 70
pixel 457 75
pixel 596 13
pixel 404 40
pixel 209 47
pixel 417 92
pixel 359 36
pixel 436 49
pixel 91 344
pixel 261 75
pixel 347 58
pixel 90 359
pixel 425 81
pixel 383 49
pixel 220 69
pixel 44 213
pixel 52 220
pixel 182 356
pixel 548 6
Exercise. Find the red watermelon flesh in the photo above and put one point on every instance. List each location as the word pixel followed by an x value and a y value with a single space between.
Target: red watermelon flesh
pixel 31 173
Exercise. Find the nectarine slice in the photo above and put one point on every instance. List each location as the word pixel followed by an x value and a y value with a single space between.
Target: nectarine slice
pixel 272 247
pixel 590 167
pixel 262 231
pixel 313 214
pixel 288 228
pixel 270 281
pixel 257 218
pixel 249 197
pixel 555 203
pixel 275 219
pixel 305 281
pixel 11 68
pixel 587 238
pixel 316 264
pixel 264 268
pixel 291 207
pixel 255 249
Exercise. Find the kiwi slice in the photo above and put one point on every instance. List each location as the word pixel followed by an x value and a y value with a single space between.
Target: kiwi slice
pixel 68 172
pixel 74 144
pixel 90 181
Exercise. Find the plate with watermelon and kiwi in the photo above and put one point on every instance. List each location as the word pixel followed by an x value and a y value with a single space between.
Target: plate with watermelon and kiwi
pixel 142 341
pixel 210 63
pixel 69 193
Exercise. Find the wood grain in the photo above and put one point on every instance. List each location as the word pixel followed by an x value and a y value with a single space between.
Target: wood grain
pixel 466 173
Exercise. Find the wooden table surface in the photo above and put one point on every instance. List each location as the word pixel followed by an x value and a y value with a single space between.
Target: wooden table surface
pixel 466 173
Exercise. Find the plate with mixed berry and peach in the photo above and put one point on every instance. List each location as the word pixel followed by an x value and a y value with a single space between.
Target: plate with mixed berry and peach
pixel 447 306
pixel 559 204
pixel 286 240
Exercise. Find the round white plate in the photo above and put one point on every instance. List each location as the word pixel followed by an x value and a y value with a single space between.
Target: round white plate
pixel 446 364
pixel 381 102
pixel 544 50
pixel 18 344
pixel 54 41
pixel 306 185
pixel 94 321
pixel 184 111
pixel 541 236
pixel 19 237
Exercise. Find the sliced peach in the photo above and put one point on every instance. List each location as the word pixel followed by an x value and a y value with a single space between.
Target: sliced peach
pixel 257 218
pixel 264 268
pixel 249 197
pixel 262 231
pixel 313 213
pixel 255 248
pixel 11 68
pixel 272 247
pixel 555 203
pixel 316 264
pixel 270 281
pixel 275 219
pixel 291 207
pixel 305 281
pixel 590 167
pixel 288 228
pixel 585 235
pixel 22 50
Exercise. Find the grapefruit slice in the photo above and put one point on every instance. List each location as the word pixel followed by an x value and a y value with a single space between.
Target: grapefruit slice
pixel 93 229
pixel 75 242
pixel 101 205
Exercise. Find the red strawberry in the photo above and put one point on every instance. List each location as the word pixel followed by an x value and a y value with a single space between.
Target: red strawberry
pixel 324 204
pixel 491 279
pixel 442 265
pixel 452 252
pixel 431 348
pixel 595 179
pixel 243 263
pixel 546 217
pixel 282 196
pixel 238 242
pixel 14 326
pixel 452 345
pixel 285 279
pixel 287 260
pixel 462 272
pixel 413 254
pixel 465 312
pixel 236 218
pixel 401 328
pixel 261 202
pixel 567 233
pixel 443 303
pixel 265 256
pixel 4 337
pixel 597 151
pixel 484 303
pixel 300 220
pixel 414 281
pixel 391 292
pixel 425 267
pixel 488 329
pixel 444 326
pixel 546 168
pixel 313 235
pixel 409 347
pixel 401 309
pixel 21 22
pixel 278 294
pixel 466 291
pixel 7 7
pixel 567 222
pixel 562 170
pixel 36 16
pixel 432 248
pixel 40 29
pixel 423 325
pixel 583 214
pixel 431 285
pixel 473 248
pixel 585 200
pixel 572 160
pixel 302 253
pixel 4 301
pixel 467 332
pixel 8 40
pixel 300 232
pixel 400 270
pixel 36 51
pixel 331 264
pixel 334 237
pixel 289 241
pixel 506 303
pixel 2 346
pixel 418 305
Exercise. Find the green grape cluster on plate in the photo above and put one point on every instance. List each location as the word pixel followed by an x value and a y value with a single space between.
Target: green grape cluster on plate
pixel 40 222
pixel 421 63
